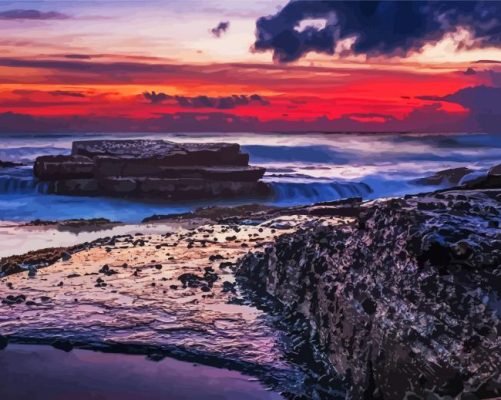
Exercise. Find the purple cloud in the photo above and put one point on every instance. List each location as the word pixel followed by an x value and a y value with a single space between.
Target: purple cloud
pixel 221 28
pixel 31 14
pixel 222 103
pixel 380 27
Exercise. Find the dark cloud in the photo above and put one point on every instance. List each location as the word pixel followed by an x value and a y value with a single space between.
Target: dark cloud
pixel 222 103
pixel 380 27
pixel 483 103
pixel 470 71
pixel 221 28
pixel 487 62
pixel 30 92
pixel 78 56
pixel 31 14
pixel 85 66
pixel 495 77
pixel 364 116
pixel 155 98
pixel 66 93
pixel 479 99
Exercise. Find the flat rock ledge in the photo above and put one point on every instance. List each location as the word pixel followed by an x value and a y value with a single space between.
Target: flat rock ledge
pixel 155 169
pixel 404 301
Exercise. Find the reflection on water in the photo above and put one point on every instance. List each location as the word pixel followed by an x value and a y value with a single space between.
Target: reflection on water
pixel 44 373
pixel 13 238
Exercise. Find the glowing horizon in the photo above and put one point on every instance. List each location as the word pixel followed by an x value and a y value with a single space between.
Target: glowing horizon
pixel 96 61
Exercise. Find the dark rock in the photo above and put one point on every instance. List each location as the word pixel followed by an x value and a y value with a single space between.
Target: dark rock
pixel 3 342
pixel 106 270
pixel 399 302
pixel 9 164
pixel 49 168
pixel 153 169
pixel 451 176
pixel 190 280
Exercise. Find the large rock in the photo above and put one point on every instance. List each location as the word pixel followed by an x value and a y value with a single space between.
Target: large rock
pixel 404 302
pixel 48 168
pixel 153 168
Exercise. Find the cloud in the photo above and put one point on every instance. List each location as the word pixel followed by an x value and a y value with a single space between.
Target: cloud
pixel 486 99
pixel 429 118
pixel 221 28
pixel 66 93
pixel 31 14
pixel 487 62
pixel 470 71
pixel 155 98
pixel 380 27
pixel 222 103
pixel 483 102
pixel 78 56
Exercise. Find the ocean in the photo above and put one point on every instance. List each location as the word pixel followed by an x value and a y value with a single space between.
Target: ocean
pixel 302 168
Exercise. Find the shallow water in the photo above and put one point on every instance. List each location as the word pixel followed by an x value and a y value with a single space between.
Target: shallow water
pixel 44 373
pixel 13 236
pixel 303 169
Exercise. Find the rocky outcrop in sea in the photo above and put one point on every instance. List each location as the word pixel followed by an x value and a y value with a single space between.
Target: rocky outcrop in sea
pixel 403 299
pixel 152 169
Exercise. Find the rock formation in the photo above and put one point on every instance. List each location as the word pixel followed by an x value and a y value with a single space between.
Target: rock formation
pixel 403 300
pixel 465 177
pixel 9 164
pixel 152 169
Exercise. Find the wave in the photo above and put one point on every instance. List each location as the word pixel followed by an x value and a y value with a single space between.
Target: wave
pixel 29 154
pixel 306 154
pixel 12 185
pixel 288 193
pixel 21 181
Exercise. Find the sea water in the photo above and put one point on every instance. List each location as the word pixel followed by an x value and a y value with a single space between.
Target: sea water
pixel 301 168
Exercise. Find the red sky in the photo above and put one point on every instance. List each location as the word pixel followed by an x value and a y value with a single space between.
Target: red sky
pixel 81 66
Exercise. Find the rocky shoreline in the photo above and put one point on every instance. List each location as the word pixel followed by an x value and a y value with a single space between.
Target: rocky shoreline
pixel 403 300
pixel 387 299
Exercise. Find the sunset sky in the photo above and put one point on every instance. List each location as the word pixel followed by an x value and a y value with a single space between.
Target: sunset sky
pixel 249 66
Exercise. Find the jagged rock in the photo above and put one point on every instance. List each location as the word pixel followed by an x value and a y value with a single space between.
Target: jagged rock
pixel 403 300
pixel 495 170
pixel 451 176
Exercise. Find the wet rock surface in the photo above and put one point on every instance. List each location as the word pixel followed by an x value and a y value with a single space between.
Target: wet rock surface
pixel 403 300
pixel 451 176
pixel 152 169
pixel 172 294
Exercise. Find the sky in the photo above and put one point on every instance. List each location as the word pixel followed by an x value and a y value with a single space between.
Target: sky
pixel 298 66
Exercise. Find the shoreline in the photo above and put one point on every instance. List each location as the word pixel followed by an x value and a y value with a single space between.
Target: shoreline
pixel 274 226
